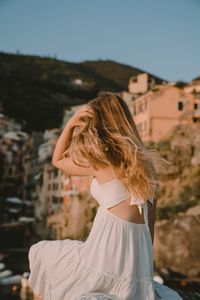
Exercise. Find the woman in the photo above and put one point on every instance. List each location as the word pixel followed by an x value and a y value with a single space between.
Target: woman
pixel 115 261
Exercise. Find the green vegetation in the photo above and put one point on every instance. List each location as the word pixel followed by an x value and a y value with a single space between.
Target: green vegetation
pixel 36 89
pixel 180 84
pixel 169 212
pixel 163 145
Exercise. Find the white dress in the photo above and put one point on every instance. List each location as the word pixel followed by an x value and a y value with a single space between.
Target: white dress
pixel 115 262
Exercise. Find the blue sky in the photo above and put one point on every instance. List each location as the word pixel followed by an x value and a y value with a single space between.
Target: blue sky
pixel 161 37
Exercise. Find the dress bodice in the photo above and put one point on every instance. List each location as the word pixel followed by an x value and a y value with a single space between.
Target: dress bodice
pixel 113 192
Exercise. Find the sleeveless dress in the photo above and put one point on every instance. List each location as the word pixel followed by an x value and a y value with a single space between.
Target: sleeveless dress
pixel 114 262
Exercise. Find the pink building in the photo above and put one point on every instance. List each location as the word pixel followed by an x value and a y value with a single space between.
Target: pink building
pixel 157 111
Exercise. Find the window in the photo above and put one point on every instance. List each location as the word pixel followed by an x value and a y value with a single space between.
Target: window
pixel 139 107
pixel 197 106
pixel 54 199
pixel 142 127
pixel 145 125
pixel 55 186
pixel 135 109
pixel 10 171
pixel 180 105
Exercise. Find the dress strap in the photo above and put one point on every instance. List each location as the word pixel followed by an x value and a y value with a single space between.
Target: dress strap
pixel 142 206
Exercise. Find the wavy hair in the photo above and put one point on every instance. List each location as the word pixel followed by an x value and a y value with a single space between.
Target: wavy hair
pixel 111 138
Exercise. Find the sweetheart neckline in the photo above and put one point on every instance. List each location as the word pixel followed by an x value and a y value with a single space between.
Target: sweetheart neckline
pixel 114 180
pixel 102 184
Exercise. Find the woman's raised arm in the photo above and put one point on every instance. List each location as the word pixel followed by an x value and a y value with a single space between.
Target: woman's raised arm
pixel 66 164
pixel 63 142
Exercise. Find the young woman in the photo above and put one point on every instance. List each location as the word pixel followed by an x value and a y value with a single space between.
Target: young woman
pixel 116 260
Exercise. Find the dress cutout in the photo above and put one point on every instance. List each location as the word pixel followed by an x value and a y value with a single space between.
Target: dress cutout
pixel 114 262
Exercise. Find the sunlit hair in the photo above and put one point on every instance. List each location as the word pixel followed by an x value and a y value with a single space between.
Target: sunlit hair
pixel 111 139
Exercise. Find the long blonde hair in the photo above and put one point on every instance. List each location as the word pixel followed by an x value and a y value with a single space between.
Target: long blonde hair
pixel 111 138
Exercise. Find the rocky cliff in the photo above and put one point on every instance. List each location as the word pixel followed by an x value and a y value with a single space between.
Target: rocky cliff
pixel 177 227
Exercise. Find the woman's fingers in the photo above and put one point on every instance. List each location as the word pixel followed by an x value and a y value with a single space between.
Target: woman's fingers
pixel 86 108
pixel 86 114
pixel 80 116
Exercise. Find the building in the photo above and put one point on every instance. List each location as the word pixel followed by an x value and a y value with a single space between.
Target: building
pixel 139 85
pixel 8 124
pixel 11 150
pixel 72 189
pixel 159 109
pixel 45 149
pixel 193 86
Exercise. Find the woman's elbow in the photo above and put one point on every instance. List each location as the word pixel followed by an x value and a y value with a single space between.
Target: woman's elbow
pixel 56 164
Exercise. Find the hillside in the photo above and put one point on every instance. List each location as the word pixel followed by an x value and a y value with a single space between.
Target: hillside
pixel 36 89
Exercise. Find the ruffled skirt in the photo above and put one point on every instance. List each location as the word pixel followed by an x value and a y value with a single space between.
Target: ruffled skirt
pixel 115 262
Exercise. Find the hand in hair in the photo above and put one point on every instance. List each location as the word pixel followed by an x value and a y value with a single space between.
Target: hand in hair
pixel 80 116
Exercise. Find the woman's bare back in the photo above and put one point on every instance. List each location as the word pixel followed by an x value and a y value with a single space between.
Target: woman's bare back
pixel 123 209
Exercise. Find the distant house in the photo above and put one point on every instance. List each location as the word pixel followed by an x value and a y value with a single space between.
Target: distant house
pixel 159 109
pixel 78 81
pixel 45 149
pixel 140 84
pixel 193 86
pixel 8 124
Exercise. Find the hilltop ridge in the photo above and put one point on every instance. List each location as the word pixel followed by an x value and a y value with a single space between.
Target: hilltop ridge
pixel 36 89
